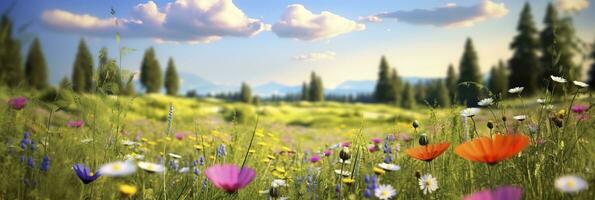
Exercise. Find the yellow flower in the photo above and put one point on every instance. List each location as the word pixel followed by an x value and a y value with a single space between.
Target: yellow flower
pixel 266 160
pixel 144 139
pixel 127 190
pixel 271 157
pixel 287 149
pixel 198 147
pixel 151 142
pixel 263 144
pixel 252 151
pixel 348 181
pixel 379 171
pixel 280 169
pixel 279 175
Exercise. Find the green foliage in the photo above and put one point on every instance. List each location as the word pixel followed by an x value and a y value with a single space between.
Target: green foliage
pixel 239 114
pixel 420 93
pixel 172 82
pixel 385 88
pixel 316 88
pixel 82 72
pixel 469 72
pixel 36 71
pixel 11 72
pixel 451 82
pixel 305 94
pixel 591 80
pixel 110 78
pixel 53 98
pixel 408 96
pixel 437 93
pixel 498 82
pixel 65 84
pixel 150 72
pixel 245 93
pixel 397 85
pixel 524 62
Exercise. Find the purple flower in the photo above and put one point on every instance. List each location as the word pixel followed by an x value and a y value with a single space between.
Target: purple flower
pixel 579 108
pixel 75 123
pixel 31 162
pixel 229 177
pixel 376 140
pixel 17 103
pixel 500 193
pixel 180 136
pixel 373 148
pixel 346 144
pixel 45 163
pixel 85 174
pixel 327 152
pixel 314 158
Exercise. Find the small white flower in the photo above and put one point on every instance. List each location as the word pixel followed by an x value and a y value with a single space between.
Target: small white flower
pixel 87 140
pixel 570 183
pixel 184 170
pixel 385 192
pixel 516 90
pixel 134 156
pixel 541 101
pixel 278 183
pixel 549 107
pixel 486 102
pixel 176 156
pixel 344 162
pixel 389 167
pixel 129 143
pixel 558 79
pixel 342 173
pixel 428 184
pixel 469 112
pixel 118 168
pixel 580 84
pixel 151 167
pixel 520 117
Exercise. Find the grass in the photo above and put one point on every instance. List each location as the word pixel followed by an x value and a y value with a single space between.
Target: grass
pixel 304 128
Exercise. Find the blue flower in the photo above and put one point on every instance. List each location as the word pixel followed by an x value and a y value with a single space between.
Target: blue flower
pixel 196 171
pixel 33 146
pixel 45 163
pixel 201 160
pixel 85 174
pixel 30 162
pixel 221 150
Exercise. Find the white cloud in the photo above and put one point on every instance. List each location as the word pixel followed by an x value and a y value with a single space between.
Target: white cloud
pixel 450 15
pixel 572 5
pixel 300 23
pixel 371 19
pixel 327 55
pixel 187 21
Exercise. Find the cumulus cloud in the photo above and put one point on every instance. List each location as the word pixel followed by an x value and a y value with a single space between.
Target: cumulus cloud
pixel 371 19
pixel 572 5
pixel 450 15
pixel 327 55
pixel 300 23
pixel 185 21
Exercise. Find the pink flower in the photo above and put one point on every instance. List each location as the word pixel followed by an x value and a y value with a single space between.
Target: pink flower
pixel 373 148
pixel 229 177
pixel 376 140
pixel 405 137
pixel 579 108
pixel 75 124
pixel 500 193
pixel 582 117
pixel 180 136
pixel 328 152
pixel 346 144
pixel 314 158
pixel 17 103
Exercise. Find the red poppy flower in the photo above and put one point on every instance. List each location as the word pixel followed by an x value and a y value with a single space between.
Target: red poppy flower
pixel 428 152
pixel 492 150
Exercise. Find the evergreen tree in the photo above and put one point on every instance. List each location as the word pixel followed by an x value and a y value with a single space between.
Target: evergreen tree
pixel 305 92
pixel 150 72
pixel 420 93
pixel 11 72
pixel 548 45
pixel 384 91
pixel 172 82
pixel 36 71
pixel 65 84
pixel 442 96
pixel 109 79
pixel 591 80
pixel 524 64
pixel 567 48
pixel 316 88
pixel 82 73
pixel 451 82
pixel 245 93
pixel 469 72
pixel 129 90
pixel 408 97
pixel 498 82
pixel 397 86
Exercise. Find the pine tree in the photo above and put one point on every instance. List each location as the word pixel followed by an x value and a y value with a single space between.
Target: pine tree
pixel 524 64
pixel 420 93
pixel 384 91
pixel 150 72
pixel 397 85
pixel 82 73
pixel 316 88
pixel 305 92
pixel 442 98
pixel 451 82
pixel 469 72
pixel 36 71
pixel 498 82
pixel 591 80
pixel 568 47
pixel 172 82
pixel 109 79
pixel 65 84
pixel 245 93
pixel 408 97
pixel 11 72
pixel 548 45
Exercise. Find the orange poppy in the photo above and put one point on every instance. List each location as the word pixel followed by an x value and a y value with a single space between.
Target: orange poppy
pixel 492 150
pixel 427 152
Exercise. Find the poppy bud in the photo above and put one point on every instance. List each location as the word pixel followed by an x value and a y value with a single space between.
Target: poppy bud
pixel 423 140
pixel 490 124
pixel 558 122
pixel 504 118
pixel 417 174
pixel 415 124
pixel 274 192
pixel 344 154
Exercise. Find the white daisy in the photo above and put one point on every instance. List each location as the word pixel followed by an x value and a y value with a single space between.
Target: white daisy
pixel 389 167
pixel 87 140
pixel 571 183
pixel 176 156
pixel 151 167
pixel 469 112
pixel 184 170
pixel 486 102
pixel 520 118
pixel 118 168
pixel 344 161
pixel 541 101
pixel 129 143
pixel 516 90
pixel 278 183
pixel 342 173
pixel 428 184
pixel 580 84
pixel 558 79
pixel 385 192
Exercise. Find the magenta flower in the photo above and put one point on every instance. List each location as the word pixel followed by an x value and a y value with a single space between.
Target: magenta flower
pixel 579 108
pixel 229 177
pixel 75 124
pixel 327 152
pixel 500 193
pixel 373 148
pixel 314 158
pixel 376 140
pixel 346 144
pixel 180 136
pixel 17 103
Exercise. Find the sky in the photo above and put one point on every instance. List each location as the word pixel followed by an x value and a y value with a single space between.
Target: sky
pixel 228 42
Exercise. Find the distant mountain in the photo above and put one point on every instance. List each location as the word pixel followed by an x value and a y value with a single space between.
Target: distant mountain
pixel 271 88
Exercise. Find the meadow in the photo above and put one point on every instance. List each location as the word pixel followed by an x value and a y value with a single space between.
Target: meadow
pixel 163 147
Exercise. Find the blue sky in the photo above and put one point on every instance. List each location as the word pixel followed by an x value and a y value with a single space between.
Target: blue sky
pixel 264 41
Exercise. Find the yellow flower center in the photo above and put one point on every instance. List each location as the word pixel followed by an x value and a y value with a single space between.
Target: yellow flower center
pixel 116 167
pixel 570 184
